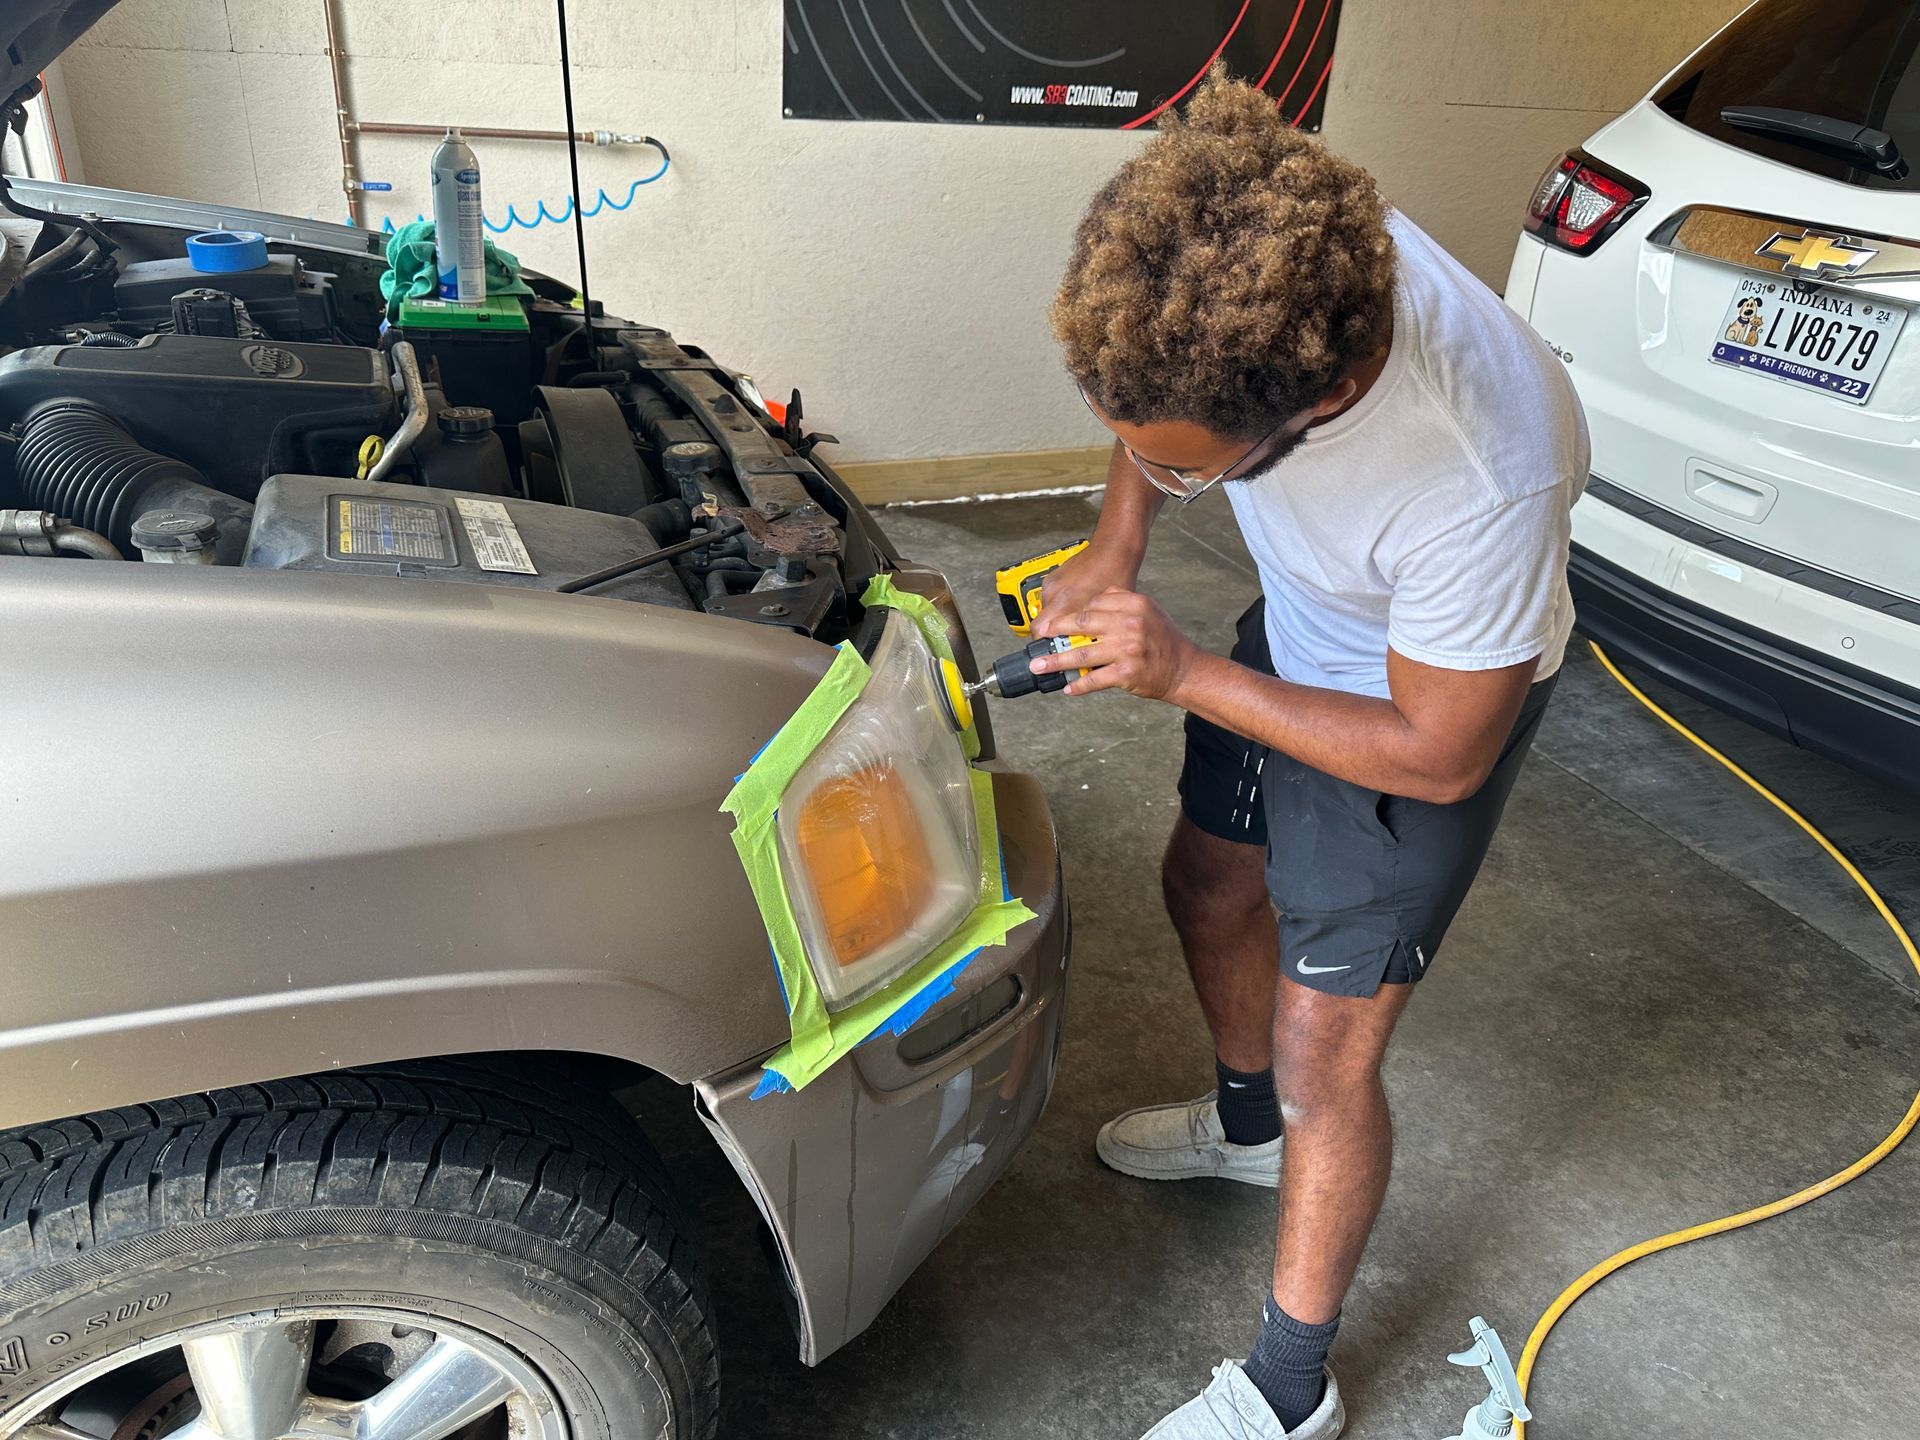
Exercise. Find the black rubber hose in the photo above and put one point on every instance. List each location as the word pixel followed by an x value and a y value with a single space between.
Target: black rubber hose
pixel 79 222
pixel 81 463
pixel 666 520
pixel 58 255
pixel 322 442
pixel 655 412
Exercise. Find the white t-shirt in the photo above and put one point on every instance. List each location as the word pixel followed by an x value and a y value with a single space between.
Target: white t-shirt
pixel 1431 517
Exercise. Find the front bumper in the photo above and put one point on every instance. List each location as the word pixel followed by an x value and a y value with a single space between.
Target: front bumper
pixel 864 1171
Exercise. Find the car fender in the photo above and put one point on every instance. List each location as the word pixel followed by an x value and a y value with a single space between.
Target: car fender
pixel 255 825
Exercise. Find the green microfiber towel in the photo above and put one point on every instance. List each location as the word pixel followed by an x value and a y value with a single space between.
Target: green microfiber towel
pixel 411 268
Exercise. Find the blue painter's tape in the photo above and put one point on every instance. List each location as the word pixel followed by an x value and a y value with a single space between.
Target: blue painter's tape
pixel 779 979
pixel 910 1014
pixel 223 252
pixel 772 1082
pixel 913 1010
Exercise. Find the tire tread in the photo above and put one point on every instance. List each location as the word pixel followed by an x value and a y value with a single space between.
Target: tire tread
pixel 521 1143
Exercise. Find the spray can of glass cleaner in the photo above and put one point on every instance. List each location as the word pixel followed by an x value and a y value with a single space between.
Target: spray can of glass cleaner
pixel 458 238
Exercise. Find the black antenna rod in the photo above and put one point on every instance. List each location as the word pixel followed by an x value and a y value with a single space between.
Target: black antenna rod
pixel 573 164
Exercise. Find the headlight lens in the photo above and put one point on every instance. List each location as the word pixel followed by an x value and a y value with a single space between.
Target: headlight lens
pixel 877 835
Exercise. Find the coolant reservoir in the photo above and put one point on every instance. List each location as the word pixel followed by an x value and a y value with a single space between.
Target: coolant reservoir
pixel 176 537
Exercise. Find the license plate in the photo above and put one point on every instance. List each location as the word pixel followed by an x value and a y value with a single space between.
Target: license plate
pixel 1814 335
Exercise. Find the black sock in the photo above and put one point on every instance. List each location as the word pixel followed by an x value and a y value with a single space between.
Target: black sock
pixel 1249 1113
pixel 1288 1363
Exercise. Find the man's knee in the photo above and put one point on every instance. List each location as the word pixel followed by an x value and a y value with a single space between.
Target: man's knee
pixel 1211 884
pixel 1312 1094
pixel 1328 1051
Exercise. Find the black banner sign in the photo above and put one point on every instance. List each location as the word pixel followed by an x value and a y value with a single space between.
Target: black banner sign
pixel 1106 64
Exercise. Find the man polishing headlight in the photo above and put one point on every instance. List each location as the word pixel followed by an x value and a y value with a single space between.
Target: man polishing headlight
pixel 1401 452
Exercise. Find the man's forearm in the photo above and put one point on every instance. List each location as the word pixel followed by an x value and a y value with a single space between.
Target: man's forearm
pixel 1128 509
pixel 1436 739
pixel 1358 738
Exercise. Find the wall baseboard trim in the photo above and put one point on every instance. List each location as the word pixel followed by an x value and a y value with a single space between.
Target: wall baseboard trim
pixel 968 477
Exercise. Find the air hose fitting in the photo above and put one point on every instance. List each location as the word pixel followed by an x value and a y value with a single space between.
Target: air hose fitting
pixel 40 532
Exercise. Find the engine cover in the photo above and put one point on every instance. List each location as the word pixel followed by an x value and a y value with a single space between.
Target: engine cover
pixel 324 522
pixel 225 406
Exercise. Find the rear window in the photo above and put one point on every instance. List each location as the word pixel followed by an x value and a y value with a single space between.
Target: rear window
pixel 1854 60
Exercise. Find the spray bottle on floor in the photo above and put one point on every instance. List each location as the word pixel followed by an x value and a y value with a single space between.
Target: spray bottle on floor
pixel 1493 1417
pixel 459 240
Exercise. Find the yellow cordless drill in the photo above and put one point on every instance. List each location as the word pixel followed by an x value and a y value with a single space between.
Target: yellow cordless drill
pixel 1019 585
pixel 1011 676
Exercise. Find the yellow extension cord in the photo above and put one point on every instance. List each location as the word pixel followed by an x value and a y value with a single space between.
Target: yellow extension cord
pixel 1760 1212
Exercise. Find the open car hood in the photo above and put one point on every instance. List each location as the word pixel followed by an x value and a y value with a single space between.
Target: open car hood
pixel 36 32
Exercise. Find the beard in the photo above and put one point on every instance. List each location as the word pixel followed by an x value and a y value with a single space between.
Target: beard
pixel 1273 454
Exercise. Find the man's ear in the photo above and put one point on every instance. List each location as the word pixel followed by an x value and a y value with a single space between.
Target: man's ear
pixel 1335 399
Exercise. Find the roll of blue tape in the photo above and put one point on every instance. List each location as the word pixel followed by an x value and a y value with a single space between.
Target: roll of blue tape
pixel 221 252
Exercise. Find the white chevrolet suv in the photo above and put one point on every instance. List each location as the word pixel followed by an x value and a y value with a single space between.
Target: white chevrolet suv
pixel 1730 272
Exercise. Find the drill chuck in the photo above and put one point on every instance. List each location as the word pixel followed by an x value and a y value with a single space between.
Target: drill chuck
pixel 1011 676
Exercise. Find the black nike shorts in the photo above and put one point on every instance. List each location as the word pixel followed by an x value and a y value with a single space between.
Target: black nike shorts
pixel 1365 883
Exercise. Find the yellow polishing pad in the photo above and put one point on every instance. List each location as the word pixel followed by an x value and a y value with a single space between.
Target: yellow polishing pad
pixel 959 703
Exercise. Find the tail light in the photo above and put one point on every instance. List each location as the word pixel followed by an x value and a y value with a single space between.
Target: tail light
pixel 1578 203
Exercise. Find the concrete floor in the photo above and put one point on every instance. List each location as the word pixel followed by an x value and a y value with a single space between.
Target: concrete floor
pixel 1660 1004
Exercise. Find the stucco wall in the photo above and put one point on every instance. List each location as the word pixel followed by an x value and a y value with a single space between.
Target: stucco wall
pixel 897 273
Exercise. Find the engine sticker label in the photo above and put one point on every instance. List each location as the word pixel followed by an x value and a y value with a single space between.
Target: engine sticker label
pixel 362 528
pixel 494 537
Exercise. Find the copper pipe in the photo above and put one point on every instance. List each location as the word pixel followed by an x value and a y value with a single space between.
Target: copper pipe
pixel 342 115
pixel 492 132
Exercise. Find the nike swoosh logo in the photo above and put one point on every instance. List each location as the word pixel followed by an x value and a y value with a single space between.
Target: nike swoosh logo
pixel 1306 969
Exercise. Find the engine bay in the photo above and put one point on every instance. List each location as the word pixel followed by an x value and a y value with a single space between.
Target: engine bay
pixel 270 417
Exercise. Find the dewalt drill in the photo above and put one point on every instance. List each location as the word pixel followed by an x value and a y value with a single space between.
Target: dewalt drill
pixel 1019 585
pixel 1011 676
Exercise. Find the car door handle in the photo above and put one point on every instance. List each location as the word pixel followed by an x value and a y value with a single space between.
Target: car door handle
pixel 1741 496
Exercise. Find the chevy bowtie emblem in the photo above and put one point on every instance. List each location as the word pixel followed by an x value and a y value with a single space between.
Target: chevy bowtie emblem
pixel 1812 254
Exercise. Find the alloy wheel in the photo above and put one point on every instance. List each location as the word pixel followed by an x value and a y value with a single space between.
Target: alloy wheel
pixel 356 1373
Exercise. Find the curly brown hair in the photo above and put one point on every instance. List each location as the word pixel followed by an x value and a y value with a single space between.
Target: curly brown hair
pixel 1228 274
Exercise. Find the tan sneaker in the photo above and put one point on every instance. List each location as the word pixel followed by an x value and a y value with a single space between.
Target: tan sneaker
pixel 1184 1142
pixel 1232 1408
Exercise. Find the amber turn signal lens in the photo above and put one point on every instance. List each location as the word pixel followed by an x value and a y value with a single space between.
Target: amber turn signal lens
pixel 867 858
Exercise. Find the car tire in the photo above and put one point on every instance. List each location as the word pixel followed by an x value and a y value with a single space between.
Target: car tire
pixel 506 1204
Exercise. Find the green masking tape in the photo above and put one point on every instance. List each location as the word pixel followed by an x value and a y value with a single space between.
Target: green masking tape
pixel 819 1037
pixel 754 802
pixel 986 924
pixel 924 613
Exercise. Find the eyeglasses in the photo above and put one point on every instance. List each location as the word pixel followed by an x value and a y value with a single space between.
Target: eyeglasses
pixel 1185 485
